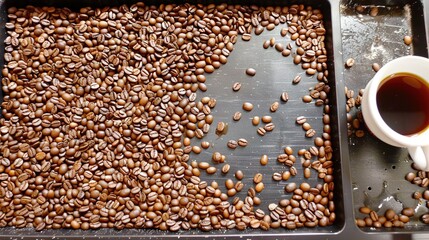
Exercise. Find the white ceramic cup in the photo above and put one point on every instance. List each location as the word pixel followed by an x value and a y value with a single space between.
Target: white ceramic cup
pixel 417 144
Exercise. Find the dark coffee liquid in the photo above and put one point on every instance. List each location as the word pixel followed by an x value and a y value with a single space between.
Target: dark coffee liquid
pixel 403 102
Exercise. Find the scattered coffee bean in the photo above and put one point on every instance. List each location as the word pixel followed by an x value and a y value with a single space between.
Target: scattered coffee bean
pixel 279 47
pixel 257 178
pixel 284 97
pixel 247 106
pixel 307 98
pixel 261 131
pixel 236 116
pixel 296 79
pixel 264 160
pixel 246 37
pixel 266 44
pixel 242 142
pixel 251 71
pixel 374 11
pixel 267 119
pixel 259 187
pixel 256 120
pixel 239 175
pixel 350 62
pixel 269 127
pixel 225 168
pixel 232 144
pixel 375 67
pixel 274 106
pixel 236 86
pixel 408 40
pixel 205 144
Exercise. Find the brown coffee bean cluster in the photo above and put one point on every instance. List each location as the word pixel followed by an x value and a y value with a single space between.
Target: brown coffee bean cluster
pixel 389 219
pixel 101 105
pixel 355 122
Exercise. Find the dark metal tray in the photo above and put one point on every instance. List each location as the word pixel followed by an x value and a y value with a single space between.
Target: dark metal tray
pixel 274 75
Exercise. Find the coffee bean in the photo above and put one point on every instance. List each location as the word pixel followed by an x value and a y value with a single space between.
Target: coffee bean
pixel 284 97
pixel 266 44
pixel 232 144
pixel 279 47
pixel 374 11
pixel 211 170
pixel 236 116
pixel 246 37
pixel 350 62
pixel 272 41
pixel 256 120
pixel 264 160
pixel 259 187
pixel 389 214
pixel 290 187
pixel 286 52
pixel 225 168
pixel 247 106
pixel 425 218
pixel 257 178
pixel 274 106
pixel 205 144
pixel 251 71
pixel 409 212
pixel 216 157
pixel 261 131
pixel 239 175
pixel 242 142
pixel 269 127
pixel 307 98
pixel 407 40
pixel 267 119
pixel 296 79
pixel 236 86
pixel 375 67
pixel 277 176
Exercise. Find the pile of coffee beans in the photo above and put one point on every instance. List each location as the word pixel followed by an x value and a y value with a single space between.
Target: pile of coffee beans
pixel 389 219
pixel 101 105
pixel 355 122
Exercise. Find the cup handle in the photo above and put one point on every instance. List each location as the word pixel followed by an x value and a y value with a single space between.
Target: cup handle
pixel 420 156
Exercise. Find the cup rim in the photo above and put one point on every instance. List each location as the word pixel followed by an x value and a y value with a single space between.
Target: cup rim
pixel 418 139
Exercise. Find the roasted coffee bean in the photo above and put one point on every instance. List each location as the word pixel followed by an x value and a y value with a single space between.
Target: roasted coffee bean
pixel 425 218
pixel 259 187
pixel 256 120
pixel 257 178
pixel 266 44
pixel 277 176
pixel 205 144
pixel 221 127
pixel 279 47
pixel 264 160
pixel 242 142
pixel 409 212
pixel 232 144
pixel 261 131
pixel 296 79
pixel 225 168
pixel 407 40
pixel 350 62
pixel 274 106
pixel 251 71
pixel 236 116
pixel 290 187
pixel 247 106
pixel 284 97
pixel 307 98
pixel 269 127
pixel 236 86
pixel 376 67
pixel 301 120
pixel 239 175
pixel 267 119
